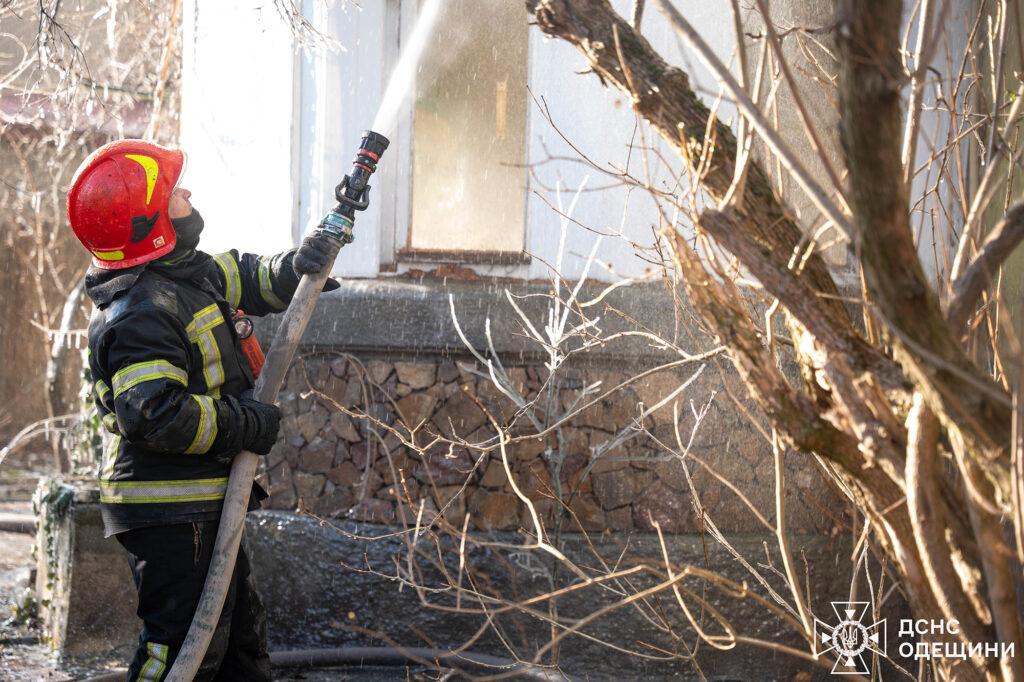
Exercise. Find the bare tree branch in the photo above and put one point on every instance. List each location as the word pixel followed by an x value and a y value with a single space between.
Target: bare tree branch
pixel 795 414
pixel 662 94
pixel 778 278
pixel 983 195
pixel 967 401
pixel 999 579
pixel 997 247
pixel 637 14
pixel 925 505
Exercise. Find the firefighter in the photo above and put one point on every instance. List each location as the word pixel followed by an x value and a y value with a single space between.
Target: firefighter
pixel 174 390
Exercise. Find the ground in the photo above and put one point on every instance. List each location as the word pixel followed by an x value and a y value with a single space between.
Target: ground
pixel 23 656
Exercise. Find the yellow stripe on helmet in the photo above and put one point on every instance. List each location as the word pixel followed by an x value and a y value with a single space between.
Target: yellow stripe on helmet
pixel 152 172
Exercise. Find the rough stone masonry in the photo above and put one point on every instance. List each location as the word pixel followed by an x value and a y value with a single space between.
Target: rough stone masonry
pixel 340 454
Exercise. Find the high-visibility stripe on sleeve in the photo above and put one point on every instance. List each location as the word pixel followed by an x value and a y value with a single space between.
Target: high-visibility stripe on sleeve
pixel 147 492
pixel 232 280
pixel 135 374
pixel 266 290
pixel 102 389
pixel 213 369
pixel 156 663
pixel 206 431
pixel 110 422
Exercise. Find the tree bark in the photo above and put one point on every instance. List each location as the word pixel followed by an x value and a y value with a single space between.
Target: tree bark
pixel 970 405
pixel 854 425
pixel 997 247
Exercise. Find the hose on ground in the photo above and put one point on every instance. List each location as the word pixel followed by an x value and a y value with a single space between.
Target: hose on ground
pixel 392 656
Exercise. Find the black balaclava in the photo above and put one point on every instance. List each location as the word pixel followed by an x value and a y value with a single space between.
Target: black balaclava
pixel 187 230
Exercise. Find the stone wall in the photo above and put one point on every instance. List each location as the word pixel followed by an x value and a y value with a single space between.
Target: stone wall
pixel 344 450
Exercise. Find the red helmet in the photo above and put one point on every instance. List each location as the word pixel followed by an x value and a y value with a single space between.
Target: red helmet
pixel 118 202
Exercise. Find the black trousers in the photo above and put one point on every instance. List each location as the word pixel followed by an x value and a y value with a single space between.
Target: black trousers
pixel 169 564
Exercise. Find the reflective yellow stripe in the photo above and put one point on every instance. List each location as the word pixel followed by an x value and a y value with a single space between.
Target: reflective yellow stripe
pixel 110 458
pixel 139 372
pixel 143 492
pixel 200 332
pixel 267 291
pixel 102 389
pixel 110 422
pixel 232 281
pixel 152 169
pixel 206 431
pixel 206 319
pixel 213 371
pixel 155 664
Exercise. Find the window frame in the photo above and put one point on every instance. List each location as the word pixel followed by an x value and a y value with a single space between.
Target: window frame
pixel 397 254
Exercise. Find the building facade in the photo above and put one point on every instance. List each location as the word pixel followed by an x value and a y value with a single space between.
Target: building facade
pixel 501 190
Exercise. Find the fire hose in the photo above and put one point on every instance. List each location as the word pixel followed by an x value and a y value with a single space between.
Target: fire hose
pixel 352 195
pixel 358 657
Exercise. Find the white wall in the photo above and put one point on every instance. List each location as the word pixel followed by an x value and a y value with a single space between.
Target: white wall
pixel 236 123
pixel 271 129
pixel 338 95
pixel 938 219
pixel 600 122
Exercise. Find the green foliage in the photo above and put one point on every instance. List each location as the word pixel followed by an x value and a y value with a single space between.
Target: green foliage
pixel 25 611
pixel 50 505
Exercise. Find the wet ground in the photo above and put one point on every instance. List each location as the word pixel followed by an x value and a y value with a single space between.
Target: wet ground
pixel 23 656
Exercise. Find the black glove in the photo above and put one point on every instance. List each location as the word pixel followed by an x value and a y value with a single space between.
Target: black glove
pixel 313 254
pixel 261 422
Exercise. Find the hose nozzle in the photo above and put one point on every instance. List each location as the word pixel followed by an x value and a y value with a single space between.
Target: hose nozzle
pixel 353 193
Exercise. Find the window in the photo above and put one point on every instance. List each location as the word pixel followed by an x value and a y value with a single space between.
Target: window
pixel 469 134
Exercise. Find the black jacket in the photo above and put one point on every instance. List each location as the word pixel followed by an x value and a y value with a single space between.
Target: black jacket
pixel 168 370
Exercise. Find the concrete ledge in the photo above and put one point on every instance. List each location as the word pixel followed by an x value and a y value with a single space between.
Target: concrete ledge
pixel 402 319
pixel 17 523
pixel 83 583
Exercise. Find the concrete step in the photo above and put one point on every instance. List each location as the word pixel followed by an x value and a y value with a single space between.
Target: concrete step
pixel 12 522
pixel 18 487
